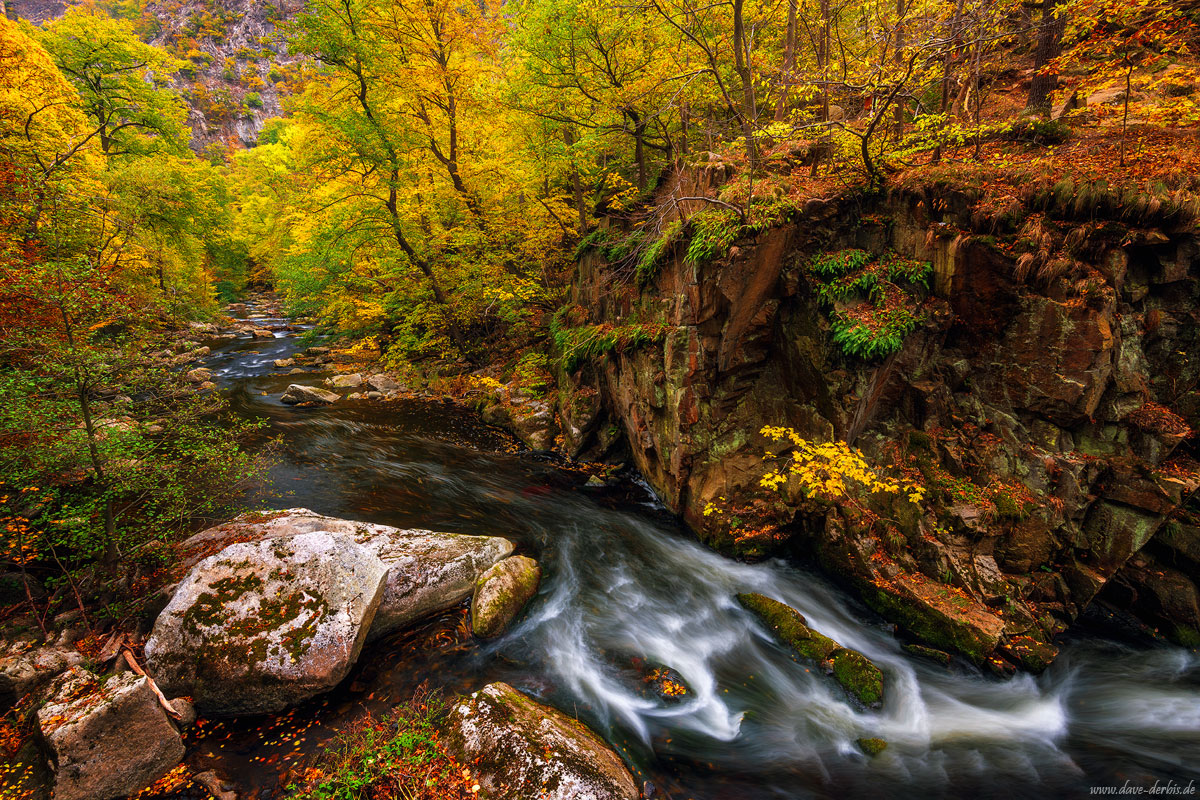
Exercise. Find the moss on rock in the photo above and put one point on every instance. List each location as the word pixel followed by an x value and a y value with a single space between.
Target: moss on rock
pixel 789 626
pixel 854 671
pixel 858 675
pixel 872 746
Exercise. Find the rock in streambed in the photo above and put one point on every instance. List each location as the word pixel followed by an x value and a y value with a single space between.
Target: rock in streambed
pixel 520 749
pixel 276 606
pixel 854 671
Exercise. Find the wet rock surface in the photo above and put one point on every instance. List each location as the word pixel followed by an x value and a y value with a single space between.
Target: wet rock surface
pixel 522 749
pixel 500 594
pixel 1045 413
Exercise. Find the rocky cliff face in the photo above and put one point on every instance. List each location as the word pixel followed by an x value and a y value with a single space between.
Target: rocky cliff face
pixel 1044 402
pixel 235 67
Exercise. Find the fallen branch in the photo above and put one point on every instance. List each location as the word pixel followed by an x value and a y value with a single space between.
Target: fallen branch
pixel 162 699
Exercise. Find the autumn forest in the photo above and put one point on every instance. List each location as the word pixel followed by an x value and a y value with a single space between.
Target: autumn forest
pixel 897 299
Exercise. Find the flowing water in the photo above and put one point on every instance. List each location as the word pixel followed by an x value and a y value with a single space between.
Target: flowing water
pixel 626 588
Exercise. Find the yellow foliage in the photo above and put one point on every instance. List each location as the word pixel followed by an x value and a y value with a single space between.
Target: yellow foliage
pixel 831 471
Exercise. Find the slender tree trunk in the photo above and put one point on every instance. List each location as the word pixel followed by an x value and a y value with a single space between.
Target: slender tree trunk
pixel 639 145
pixel 1125 114
pixel 683 129
pixel 576 183
pixel 789 62
pixel 1049 45
pixel 741 60
pixel 823 46
pixel 424 267
pixel 899 59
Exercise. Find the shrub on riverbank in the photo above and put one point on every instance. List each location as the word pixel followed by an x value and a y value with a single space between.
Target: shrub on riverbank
pixel 399 755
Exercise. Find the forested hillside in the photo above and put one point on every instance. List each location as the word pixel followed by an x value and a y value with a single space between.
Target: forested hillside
pixel 904 290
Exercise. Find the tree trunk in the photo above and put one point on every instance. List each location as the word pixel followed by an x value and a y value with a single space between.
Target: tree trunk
pixel 1049 45
pixel 741 60
pixel 639 145
pixel 576 183
pixel 899 59
pixel 789 62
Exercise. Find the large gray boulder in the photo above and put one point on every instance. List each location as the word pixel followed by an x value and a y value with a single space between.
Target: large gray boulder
pixel 500 594
pixel 428 571
pixel 520 749
pixel 106 740
pixel 299 393
pixel 265 624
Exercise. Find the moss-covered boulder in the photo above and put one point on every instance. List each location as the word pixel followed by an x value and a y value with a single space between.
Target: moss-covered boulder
pixel 428 571
pixel 790 626
pixel 500 594
pixel 859 675
pixel 854 671
pixel 520 749
pixel 263 625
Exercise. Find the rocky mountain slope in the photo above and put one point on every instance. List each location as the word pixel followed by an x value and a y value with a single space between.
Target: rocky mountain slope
pixel 235 67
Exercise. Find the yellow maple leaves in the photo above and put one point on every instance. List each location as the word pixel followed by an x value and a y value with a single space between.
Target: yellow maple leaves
pixel 831 471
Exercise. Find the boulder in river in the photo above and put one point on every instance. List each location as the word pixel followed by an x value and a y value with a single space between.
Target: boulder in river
pixel 857 674
pixel 285 362
pixel 106 739
pixel 500 594
pixel 263 625
pixel 352 381
pixel 428 571
pixel 383 383
pixel 522 749
pixel 200 375
pixel 299 393
pixel 262 333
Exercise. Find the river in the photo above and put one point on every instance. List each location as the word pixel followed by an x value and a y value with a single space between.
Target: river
pixel 623 581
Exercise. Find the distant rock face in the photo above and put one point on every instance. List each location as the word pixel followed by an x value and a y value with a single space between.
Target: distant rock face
pixel 298 393
pixel 106 740
pixel 500 594
pixel 522 749
pixel 263 625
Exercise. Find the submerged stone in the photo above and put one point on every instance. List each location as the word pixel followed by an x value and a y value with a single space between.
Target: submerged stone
pixel 872 746
pixel 855 672
pixel 790 626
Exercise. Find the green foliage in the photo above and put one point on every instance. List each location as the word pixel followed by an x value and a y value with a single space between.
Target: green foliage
pixel 581 343
pixel 253 100
pixel 712 234
pixel 400 753
pixel 653 254
pixel 871 301
pixel 873 341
